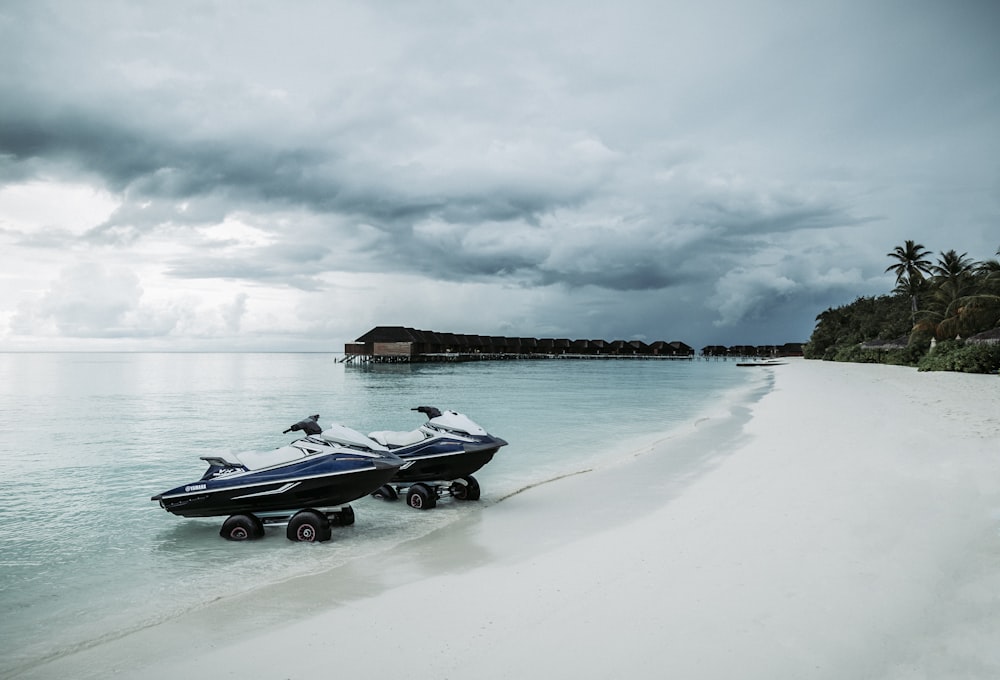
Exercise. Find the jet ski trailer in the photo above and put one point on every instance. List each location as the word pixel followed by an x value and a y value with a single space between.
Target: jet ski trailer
pixel 439 458
pixel 305 485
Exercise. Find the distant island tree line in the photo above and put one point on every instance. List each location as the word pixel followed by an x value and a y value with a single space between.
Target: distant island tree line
pixel 404 344
pixel 943 315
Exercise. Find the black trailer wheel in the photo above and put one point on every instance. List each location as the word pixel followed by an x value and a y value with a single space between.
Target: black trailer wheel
pixel 386 492
pixel 242 528
pixel 465 489
pixel 308 526
pixel 421 497
pixel 345 516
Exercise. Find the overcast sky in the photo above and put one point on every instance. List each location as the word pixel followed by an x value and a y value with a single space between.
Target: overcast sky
pixel 285 176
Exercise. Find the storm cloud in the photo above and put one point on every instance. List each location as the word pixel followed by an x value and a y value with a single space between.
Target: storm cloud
pixel 289 176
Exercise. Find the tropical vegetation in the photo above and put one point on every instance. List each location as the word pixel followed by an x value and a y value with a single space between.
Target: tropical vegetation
pixel 927 320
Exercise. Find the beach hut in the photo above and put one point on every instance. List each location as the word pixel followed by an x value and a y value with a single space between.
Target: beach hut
pixel 791 349
pixel 990 337
pixel 881 344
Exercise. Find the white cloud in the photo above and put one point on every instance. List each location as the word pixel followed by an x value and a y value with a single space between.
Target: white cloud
pixel 86 300
pixel 73 207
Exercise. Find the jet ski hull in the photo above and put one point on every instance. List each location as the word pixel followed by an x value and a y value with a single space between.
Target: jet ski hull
pixel 326 481
pixel 444 461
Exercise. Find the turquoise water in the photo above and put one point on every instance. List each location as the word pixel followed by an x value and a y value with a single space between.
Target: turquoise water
pixel 86 439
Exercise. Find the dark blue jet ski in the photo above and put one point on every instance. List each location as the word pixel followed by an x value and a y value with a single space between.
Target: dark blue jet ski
pixel 305 484
pixel 439 458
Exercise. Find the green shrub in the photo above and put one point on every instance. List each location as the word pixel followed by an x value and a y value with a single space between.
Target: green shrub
pixel 840 330
pixel 957 355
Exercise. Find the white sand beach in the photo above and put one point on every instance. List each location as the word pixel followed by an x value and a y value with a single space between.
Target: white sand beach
pixel 851 529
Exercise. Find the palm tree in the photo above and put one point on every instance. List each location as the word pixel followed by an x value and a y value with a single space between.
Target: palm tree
pixel 911 267
pixel 963 298
pixel 953 267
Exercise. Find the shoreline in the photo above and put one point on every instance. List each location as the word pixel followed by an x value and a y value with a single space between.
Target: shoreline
pixel 823 535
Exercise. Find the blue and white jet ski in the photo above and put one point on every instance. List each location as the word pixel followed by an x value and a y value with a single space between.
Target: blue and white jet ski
pixel 304 484
pixel 439 458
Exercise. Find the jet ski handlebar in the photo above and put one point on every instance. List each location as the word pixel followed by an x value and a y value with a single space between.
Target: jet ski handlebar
pixel 307 425
pixel 429 411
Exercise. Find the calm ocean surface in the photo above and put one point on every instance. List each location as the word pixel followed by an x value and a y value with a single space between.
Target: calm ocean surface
pixel 86 439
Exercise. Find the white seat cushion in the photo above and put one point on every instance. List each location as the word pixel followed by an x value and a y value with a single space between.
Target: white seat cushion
pixel 396 439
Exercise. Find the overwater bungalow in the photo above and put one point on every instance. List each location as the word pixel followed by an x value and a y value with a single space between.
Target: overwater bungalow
pixel 639 347
pixel 545 345
pixel 680 349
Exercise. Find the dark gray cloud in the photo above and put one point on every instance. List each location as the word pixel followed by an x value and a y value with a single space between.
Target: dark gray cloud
pixel 628 167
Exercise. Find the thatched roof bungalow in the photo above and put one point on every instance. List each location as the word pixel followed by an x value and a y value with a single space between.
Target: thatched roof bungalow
pixel 791 349
pixel 389 341
pixel 449 342
pixel 881 344
pixel 681 349
pixel 512 345
pixel 638 347
pixel 990 337
pixel 659 348
pixel 617 347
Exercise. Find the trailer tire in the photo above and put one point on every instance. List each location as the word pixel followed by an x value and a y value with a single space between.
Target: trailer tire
pixel 242 528
pixel 308 526
pixel 421 497
pixel 465 489
pixel 386 492
pixel 345 516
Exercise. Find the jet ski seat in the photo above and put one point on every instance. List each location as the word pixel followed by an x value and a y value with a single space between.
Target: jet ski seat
pixel 257 460
pixel 397 439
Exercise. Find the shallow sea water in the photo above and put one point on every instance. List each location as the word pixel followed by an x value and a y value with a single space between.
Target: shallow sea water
pixel 86 439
